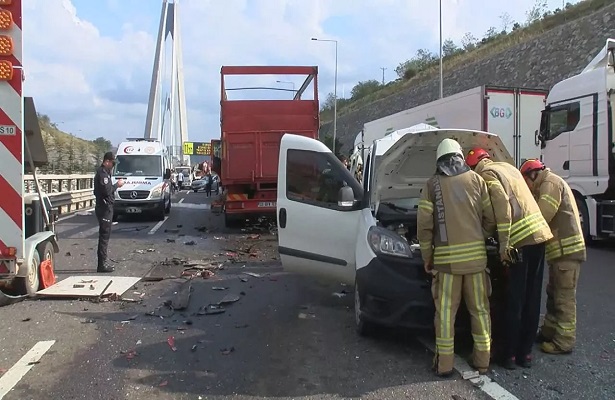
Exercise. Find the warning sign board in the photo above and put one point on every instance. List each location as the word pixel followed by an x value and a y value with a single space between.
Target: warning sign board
pixel 197 149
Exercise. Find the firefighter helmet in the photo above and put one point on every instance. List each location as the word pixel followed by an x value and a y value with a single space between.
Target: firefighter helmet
pixel 448 146
pixel 530 166
pixel 475 156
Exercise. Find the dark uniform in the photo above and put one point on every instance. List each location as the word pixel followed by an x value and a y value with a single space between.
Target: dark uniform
pixel 104 192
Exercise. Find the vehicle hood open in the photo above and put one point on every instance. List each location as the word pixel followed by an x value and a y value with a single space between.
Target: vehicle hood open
pixel 411 161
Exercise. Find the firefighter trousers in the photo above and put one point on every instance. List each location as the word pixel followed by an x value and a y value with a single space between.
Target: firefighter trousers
pixel 104 215
pixel 524 295
pixel 561 318
pixel 448 290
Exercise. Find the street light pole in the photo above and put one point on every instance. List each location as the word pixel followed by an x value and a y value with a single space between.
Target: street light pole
pixel 292 83
pixel 383 69
pixel 441 67
pixel 334 92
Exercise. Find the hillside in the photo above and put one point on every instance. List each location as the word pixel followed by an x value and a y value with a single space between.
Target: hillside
pixel 70 154
pixel 420 74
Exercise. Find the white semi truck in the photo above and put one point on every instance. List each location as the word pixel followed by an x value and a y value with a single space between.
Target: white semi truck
pixel 576 136
pixel 511 113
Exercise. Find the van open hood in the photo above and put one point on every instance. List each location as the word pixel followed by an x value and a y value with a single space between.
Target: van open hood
pixel 411 161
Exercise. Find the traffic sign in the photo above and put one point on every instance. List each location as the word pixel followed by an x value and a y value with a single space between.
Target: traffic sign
pixel 197 149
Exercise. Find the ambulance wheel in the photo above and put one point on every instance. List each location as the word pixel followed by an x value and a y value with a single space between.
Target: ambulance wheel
pixel 363 327
pixel 168 208
pixel 30 283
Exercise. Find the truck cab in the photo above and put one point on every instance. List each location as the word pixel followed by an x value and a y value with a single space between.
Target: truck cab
pixel 576 138
pixel 145 166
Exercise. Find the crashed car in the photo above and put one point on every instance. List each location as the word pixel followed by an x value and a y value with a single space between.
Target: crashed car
pixel 332 227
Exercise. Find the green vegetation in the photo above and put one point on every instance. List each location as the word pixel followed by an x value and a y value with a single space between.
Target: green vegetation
pixel 68 154
pixel 425 64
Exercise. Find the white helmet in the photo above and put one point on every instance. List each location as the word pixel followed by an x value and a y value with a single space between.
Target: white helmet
pixel 448 146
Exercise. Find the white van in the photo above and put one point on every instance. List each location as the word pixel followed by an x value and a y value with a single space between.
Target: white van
pixel 331 227
pixel 145 167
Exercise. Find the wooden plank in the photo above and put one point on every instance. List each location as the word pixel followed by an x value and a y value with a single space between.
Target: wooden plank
pixel 89 286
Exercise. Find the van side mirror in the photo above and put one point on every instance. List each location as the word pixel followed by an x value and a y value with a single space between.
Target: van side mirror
pixel 167 173
pixel 345 197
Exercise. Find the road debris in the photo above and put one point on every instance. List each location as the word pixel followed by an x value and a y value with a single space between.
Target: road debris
pixel 253 274
pixel 171 231
pixel 211 309
pixel 190 243
pixel 227 351
pixel 228 299
pixel 182 296
pixel 171 343
pixel 218 288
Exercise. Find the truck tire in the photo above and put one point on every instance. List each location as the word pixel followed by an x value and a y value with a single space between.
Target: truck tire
pixel 584 216
pixel 31 283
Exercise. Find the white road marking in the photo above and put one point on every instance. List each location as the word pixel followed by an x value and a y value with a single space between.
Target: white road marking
pixel 157 226
pixel 181 200
pixel 484 383
pixel 89 232
pixel 193 206
pixel 21 367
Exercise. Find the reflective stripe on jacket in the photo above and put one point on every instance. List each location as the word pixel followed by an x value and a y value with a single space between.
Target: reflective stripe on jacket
pixel 455 216
pixel 560 210
pixel 519 219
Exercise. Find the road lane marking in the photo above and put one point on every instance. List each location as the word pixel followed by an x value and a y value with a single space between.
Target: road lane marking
pixel 483 382
pixel 193 206
pixel 157 226
pixel 21 367
pixel 181 200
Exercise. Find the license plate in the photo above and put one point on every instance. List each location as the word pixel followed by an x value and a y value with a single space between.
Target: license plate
pixel 133 210
pixel 267 204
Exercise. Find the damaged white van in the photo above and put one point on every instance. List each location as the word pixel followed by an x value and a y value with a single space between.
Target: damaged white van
pixel 331 227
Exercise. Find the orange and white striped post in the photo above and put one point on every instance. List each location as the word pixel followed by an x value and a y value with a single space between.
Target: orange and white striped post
pixel 11 133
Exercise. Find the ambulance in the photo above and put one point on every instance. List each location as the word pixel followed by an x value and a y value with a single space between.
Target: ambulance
pixel 145 167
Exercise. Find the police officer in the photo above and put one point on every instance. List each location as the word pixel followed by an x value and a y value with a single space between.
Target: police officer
pixel 455 216
pixel 104 192
pixel 522 234
pixel 565 253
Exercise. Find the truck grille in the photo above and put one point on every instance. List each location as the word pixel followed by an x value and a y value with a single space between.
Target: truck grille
pixel 133 194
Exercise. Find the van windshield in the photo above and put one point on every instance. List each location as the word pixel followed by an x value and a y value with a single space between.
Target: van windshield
pixel 138 165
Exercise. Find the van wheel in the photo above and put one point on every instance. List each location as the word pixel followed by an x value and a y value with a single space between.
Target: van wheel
pixel 584 216
pixel 31 283
pixel 364 328
pixel 161 212
pixel 167 210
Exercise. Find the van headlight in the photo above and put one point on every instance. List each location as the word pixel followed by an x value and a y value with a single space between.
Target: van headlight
pixel 383 241
pixel 156 192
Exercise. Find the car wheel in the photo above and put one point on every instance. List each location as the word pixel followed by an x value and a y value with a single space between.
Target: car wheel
pixel 195 190
pixel 364 328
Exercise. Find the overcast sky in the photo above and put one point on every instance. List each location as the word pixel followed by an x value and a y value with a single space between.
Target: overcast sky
pixel 88 63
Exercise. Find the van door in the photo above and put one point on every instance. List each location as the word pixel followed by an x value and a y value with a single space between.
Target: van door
pixel 316 233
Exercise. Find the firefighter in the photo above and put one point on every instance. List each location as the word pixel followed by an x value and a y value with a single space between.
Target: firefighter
pixel 564 253
pixel 454 216
pixel 104 191
pixel 522 234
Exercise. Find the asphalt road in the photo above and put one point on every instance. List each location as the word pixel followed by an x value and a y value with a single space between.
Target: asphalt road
pixel 286 337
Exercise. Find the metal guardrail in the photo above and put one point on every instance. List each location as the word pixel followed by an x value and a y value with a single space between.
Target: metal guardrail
pixel 68 193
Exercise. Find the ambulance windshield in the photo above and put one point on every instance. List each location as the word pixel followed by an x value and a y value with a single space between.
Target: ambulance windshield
pixel 138 165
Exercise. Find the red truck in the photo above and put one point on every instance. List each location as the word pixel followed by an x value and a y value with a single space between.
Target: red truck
pixel 251 131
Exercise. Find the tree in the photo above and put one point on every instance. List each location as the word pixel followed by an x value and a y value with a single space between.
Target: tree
pixel 328 141
pixel 534 14
pixel 506 22
pixel 449 48
pixel 421 61
pixel 328 103
pixel 491 34
pixel 468 42
pixel 364 88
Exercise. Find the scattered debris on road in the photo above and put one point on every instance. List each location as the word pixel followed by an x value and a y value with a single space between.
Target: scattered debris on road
pixel 181 300
pixel 90 287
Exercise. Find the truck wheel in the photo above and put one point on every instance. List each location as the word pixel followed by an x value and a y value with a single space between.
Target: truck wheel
pixel 30 283
pixel 584 216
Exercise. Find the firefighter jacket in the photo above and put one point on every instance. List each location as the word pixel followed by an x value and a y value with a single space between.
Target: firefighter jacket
pixel 519 220
pixel 455 217
pixel 560 210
